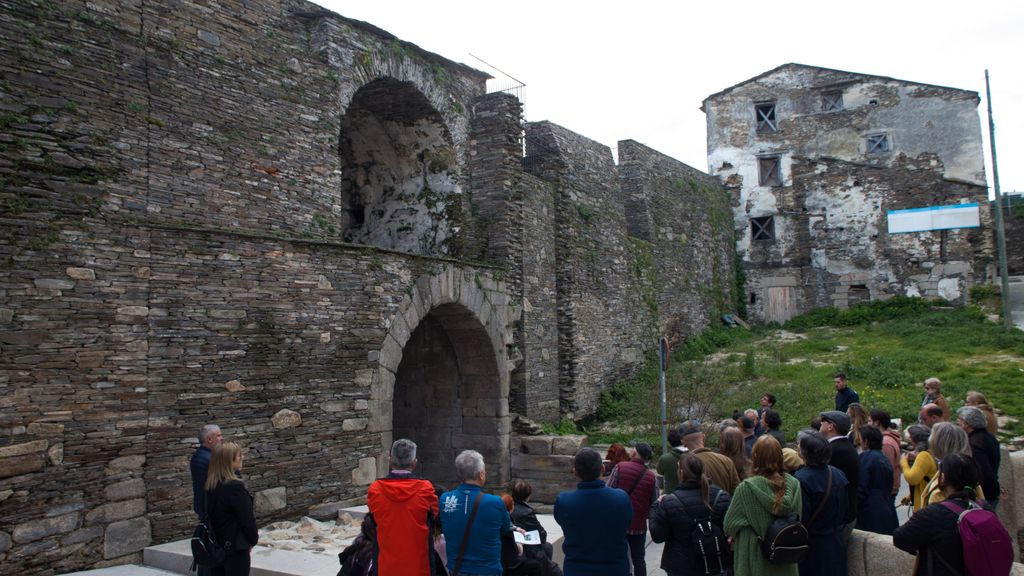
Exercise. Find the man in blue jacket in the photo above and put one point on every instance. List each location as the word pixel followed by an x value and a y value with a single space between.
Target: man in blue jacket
pixel 594 521
pixel 844 394
pixel 209 436
pixel 483 547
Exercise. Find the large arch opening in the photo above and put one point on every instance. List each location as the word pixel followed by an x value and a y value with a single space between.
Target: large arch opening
pixel 448 397
pixel 399 171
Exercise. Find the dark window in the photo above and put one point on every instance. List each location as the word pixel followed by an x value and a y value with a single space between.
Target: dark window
pixel 765 115
pixel 762 228
pixel 769 171
pixel 832 101
pixel 878 143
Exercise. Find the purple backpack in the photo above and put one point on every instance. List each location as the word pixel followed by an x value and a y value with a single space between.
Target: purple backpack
pixel 988 549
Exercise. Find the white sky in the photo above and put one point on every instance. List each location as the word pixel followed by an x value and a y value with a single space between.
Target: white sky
pixel 640 70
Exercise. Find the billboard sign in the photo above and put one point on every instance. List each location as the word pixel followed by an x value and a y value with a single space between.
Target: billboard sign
pixel 934 218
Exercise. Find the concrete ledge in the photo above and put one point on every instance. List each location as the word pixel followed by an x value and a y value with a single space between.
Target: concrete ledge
pixel 176 557
pixel 126 570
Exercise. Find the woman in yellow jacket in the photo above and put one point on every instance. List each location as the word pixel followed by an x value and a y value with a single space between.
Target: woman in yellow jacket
pixel 918 467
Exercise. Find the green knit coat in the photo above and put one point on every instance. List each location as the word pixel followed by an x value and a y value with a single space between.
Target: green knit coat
pixel 750 513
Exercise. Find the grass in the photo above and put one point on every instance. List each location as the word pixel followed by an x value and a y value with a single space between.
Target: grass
pixel 886 348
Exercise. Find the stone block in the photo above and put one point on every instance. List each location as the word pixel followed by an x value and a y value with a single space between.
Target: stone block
pixel 286 418
pixel 352 424
pixel 326 510
pixel 83 535
pixel 37 529
pixel 55 454
pixel 881 557
pixel 126 537
pixel 366 472
pixel 567 445
pixel 269 500
pixel 234 386
pixel 21 465
pixel 134 488
pixel 855 560
pixel 81 273
pixel 5 542
pixel 54 284
pixel 535 445
pixel 559 463
pixel 23 448
pixel 115 511
pixel 125 463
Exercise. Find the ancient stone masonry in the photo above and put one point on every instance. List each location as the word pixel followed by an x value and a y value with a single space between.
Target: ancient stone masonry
pixel 318 236
pixel 816 158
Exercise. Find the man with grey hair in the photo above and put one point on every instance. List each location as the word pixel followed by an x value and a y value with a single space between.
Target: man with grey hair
pixel 984 448
pixel 404 508
pixel 209 436
pixel 473 522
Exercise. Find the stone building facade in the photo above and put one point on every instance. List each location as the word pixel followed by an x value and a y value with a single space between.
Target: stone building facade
pixel 815 158
pixel 318 236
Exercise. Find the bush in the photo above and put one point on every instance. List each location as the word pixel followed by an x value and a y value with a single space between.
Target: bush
pixel 891 309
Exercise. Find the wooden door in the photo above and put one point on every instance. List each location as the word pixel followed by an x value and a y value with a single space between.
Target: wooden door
pixel 780 306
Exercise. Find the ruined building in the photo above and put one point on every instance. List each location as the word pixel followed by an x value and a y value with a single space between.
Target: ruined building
pixel 318 236
pixel 816 158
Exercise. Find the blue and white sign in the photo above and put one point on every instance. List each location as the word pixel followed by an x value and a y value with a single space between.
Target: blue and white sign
pixel 934 218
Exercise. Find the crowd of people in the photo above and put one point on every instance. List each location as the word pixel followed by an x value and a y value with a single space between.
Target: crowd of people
pixel 713 507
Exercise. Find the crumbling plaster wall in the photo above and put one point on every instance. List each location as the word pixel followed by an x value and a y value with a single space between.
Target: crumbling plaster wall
pixel 831 242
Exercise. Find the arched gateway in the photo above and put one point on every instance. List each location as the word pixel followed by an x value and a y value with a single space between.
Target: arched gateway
pixel 444 374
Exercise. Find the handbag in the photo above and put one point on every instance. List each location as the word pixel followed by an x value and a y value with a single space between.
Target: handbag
pixel 465 535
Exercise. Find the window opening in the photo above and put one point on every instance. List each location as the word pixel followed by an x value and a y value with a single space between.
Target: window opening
pixel 765 114
pixel 762 228
pixel 832 101
pixel 878 143
pixel 769 171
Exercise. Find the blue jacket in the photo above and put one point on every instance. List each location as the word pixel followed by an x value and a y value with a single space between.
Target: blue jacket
pixel 875 509
pixel 198 466
pixel 483 551
pixel 594 521
pixel 827 554
pixel 845 397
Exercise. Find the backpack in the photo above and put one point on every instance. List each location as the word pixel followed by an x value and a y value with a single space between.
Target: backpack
pixel 988 549
pixel 708 543
pixel 206 551
pixel 786 541
pixel 357 558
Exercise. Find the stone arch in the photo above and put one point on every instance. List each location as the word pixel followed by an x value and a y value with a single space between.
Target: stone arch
pixel 444 373
pixel 399 164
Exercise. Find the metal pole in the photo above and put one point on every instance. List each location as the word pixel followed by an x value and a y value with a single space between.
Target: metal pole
pixel 1000 231
pixel 662 366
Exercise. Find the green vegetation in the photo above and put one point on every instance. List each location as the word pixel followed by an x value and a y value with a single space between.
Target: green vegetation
pixel 886 348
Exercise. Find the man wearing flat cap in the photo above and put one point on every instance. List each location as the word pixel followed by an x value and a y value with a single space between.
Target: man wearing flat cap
pixel 835 426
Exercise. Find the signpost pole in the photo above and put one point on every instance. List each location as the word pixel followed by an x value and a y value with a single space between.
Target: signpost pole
pixel 663 354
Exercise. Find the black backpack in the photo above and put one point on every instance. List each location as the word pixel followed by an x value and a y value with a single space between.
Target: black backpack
pixel 708 542
pixel 206 551
pixel 786 541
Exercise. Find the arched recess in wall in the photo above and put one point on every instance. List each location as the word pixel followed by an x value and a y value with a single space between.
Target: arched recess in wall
pixel 399 170
pixel 444 375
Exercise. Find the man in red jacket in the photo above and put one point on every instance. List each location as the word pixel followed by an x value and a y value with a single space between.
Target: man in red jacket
pixel 405 509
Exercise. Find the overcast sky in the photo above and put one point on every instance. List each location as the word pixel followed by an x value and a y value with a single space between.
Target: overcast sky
pixel 640 70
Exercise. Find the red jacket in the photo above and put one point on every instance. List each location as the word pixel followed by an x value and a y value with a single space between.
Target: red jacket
pixel 400 505
pixel 640 483
pixel 891 449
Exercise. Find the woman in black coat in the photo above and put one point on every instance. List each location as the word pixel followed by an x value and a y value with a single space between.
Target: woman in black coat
pixel 230 510
pixel 827 554
pixel 931 533
pixel 524 516
pixel 672 518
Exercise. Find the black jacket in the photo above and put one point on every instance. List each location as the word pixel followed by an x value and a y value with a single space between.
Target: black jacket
pixel 524 516
pixel 931 533
pixel 844 457
pixel 232 516
pixel 985 449
pixel 671 521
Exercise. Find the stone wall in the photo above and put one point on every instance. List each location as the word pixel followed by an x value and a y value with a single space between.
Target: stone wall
pixel 312 233
pixel 1013 224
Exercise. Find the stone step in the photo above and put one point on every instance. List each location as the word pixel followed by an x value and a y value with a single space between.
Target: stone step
pixel 176 557
pixel 127 570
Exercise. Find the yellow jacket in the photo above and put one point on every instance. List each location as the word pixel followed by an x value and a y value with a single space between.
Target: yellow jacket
pixel 918 475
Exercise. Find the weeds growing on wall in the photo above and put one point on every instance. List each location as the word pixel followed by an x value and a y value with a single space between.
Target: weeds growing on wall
pixel 886 348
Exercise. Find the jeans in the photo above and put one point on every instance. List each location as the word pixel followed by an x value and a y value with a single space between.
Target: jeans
pixel 637 552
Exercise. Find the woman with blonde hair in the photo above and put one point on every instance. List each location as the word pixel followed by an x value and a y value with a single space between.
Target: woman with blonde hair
pixel 978 400
pixel 946 439
pixel 229 506
pixel 858 417
pixel 730 444
pixel 768 493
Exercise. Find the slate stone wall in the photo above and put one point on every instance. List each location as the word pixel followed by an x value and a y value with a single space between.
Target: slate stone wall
pixel 200 222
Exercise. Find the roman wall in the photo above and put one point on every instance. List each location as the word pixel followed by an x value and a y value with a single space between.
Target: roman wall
pixel 316 235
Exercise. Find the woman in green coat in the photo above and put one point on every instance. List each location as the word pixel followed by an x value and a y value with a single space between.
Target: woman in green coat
pixel 768 493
